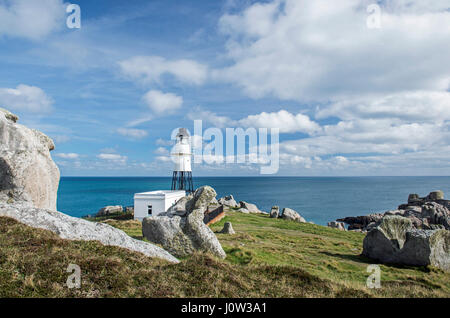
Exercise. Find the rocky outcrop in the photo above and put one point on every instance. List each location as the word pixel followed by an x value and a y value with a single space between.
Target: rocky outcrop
pixel 289 214
pixel 110 209
pixel 242 210
pixel 275 212
pixel 28 188
pixel 252 208
pixel 182 232
pixel 228 201
pixel 396 241
pixel 71 228
pixel 434 196
pixel 337 225
pixel 27 171
pixel 427 213
pixel 228 228
pixel 361 222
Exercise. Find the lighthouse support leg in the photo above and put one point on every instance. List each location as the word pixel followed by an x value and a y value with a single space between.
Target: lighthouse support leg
pixel 182 180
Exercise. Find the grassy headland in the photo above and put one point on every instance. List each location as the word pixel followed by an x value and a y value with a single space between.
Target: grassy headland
pixel 265 258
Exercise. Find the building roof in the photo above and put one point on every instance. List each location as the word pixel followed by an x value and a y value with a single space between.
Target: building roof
pixel 161 193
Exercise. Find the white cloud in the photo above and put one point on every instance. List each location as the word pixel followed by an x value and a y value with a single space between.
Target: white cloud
pixel 163 158
pixel 116 158
pixel 67 155
pixel 371 136
pixel 60 139
pixel 162 142
pixel 429 106
pixel 133 133
pixel 140 121
pixel 218 121
pixel 31 19
pixel 161 151
pixel 25 98
pixel 387 88
pixel 322 50
pixel 160 102
pixel 285 121
pixel 150 69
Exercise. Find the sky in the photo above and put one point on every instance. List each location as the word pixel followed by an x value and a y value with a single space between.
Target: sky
pixel 355 87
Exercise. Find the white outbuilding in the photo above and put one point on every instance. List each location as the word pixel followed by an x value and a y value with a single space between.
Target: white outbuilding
pixel 155 202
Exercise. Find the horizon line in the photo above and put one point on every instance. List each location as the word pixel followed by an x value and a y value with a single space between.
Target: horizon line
pixel 262 176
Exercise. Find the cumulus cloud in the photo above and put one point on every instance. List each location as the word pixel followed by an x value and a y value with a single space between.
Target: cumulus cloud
pixel 163 158
pixel 150 69
pixel 132 133
pixel 31 19
pixel 161 151
pixel 199 113
pixel 116 158
pixel 25 98
pixel 68 155
pixel 323 50
pixel 430 106
pixel 284 120
pixel 161 103
pixel 383 92
pixel 162 142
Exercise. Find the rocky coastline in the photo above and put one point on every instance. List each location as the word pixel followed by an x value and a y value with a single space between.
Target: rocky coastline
pixel 427 213
pixel 416 233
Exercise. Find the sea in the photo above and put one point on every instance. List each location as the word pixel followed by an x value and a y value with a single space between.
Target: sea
pixel 317 199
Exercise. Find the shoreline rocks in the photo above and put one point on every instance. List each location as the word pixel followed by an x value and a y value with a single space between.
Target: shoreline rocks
pixel 289 214
pixel 337 225
pixel 275 212
pixel 228 201
pixel 110 209
pixel 251 208
pixel 427 213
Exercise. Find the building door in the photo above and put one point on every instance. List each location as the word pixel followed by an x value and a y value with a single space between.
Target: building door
pixel 149 210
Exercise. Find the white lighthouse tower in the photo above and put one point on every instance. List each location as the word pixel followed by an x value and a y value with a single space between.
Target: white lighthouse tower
pixel 182 155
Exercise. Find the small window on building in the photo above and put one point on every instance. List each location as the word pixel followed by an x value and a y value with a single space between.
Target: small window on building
pixel 149 208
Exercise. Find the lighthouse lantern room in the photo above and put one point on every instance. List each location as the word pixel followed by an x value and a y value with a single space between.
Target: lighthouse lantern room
pixel 182 173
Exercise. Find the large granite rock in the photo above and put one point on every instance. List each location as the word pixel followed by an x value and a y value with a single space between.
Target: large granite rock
pixel 179 208
pixel 229 201
pixel 252 208
pixel 395 241
pixel 27 171
pixel 71 228
pixel 184 232
pixel 289 214
pixel 437 214
pixel 110 209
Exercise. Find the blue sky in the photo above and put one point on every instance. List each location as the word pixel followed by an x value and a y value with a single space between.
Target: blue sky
pixel 348 99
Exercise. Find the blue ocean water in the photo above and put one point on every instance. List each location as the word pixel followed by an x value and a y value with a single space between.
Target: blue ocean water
pixel 317 199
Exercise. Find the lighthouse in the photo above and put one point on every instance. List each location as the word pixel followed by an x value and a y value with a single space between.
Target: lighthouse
pixel 182 172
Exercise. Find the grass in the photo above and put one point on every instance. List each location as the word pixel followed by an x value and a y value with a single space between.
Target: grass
pixel 266 258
